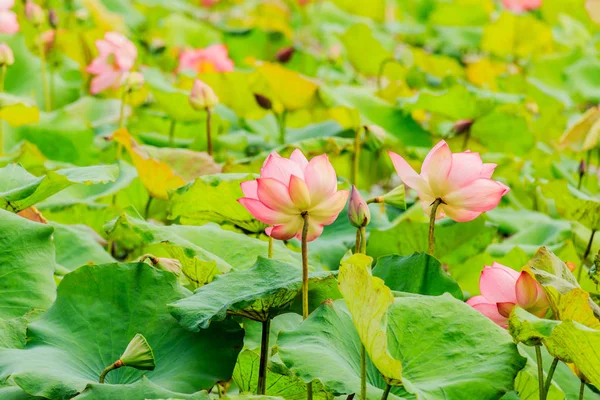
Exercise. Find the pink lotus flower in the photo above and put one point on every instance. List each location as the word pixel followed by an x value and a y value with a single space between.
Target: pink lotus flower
pixel 288 188
pixel 8 19
pixel 117 57
pixel 209 3
pixel 34 13
pixel 461 180
pixel 214 58
pixel 520 6
pixel 502 288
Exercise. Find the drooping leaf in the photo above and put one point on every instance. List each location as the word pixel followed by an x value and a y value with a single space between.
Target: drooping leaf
pixel 584 134
pixel 17 111
pixel 573 204
pixel 288 88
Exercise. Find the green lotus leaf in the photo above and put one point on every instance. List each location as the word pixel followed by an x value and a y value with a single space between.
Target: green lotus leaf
pixel 358 41
pixel 26 265
pixel 97 311
pixel 142 389
pixel 256 293
pixel 20 190
pixel 77 245
pixel 573 204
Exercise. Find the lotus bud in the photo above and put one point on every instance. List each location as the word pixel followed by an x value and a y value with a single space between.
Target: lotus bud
pixel 7 57
pixel 284 55
pixel 138 354
pixel 395 197
pixel 358 210
pixel 132 81
pixel 53 18
pixel 34 13
pixel 462 126
pixel 202 96
pixel 169 264
pixel 263 101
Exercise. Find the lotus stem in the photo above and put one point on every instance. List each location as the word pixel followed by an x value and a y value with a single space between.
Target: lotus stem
pixel 356 158
pixel 172 132
pixel 117 364
pixel 540 365
pixel 382 68
pixel 434 207
pixel 386 392
pixel 121 121
pixel 264 357
pixel 43 73
pixel 209 143
pixel 363 372
pixel 281 118
pixel 147 209
pixel 270 253
pixel 588 249
pixel 305 284
pixel 581 389
pixel 363 240
pixel 549 378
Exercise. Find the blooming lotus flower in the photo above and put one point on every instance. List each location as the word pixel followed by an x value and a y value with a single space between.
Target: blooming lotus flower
pixel 214 58
pixel 117 57
pixel 502 288
pixel 290 188
pixel 8 19
pixel 202 96
pixel 7 57
pixel 521 5
pixel 461 180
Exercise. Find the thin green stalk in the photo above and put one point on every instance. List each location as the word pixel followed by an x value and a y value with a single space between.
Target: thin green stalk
pixel 270 254
pixel 588 249
pixel 434 207
pixel 363 240
pixel 115 365
pixel 147 209
pixel 549 378
pixel 43 72
pixel 305 284
pixel 356 158
pixel 581 389
pixel 264 357
pixel 2 75
pixel 386 392
pixel 540 365
pixel 219 390
pixel 121 122
pixel 208 133
pixel 172 132
pixel 281 118
pixel 363 372
pixel 382 68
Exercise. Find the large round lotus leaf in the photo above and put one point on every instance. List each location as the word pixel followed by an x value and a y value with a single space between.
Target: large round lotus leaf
pixel 26 265
pixel 98 310
pixel 142 389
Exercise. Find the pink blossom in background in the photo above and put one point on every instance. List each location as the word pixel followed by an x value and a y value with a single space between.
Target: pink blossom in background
pixel 209 3
pixel 461 180
pixel 287 188
pixel 520 6
pixel 214 58
pixel 503 288
pixel 8 19
pixel 117 57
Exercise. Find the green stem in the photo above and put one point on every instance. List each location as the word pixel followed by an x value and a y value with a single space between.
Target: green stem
pixel 209 144
pixel 121 122
pixel 281 122
pixel 466 141
pixel 538 354
pixel 115 365
pixel 588 249
pixel 363 372
pixel 356 159
pixel 381 69
pixel 147 209
pixel 386 392
pixel 357 242
pixel 264 357
pixel 363 240
pixel 172 132
pixel 581 389
pixel 305 284
pixel 2 75
pixel 270 254
pixel 549 378
pixel 434 207
pixel 45 87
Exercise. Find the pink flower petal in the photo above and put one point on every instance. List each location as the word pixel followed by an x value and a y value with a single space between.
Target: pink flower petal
pixel 526 290
pixel 328 210
pixel 436 168
pixel 6 4
pixel 488 170
pixel 8 22
pixel 314 231
pixel 276 196
pixel 505 308
pixel 291 229
pixel 280 168
pixel 480 195
pixel 407 174
pixel 491 311
pixel 476 300
pixel 299 193
pixel 250 189
pixel 263 213
pixel 104 81
pixel 459 214
pixel 299 159
pixel 497 284
pixel 320 178
pixel 466 167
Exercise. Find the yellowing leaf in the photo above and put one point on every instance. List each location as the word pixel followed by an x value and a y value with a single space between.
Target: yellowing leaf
pixel 272 18
pixel 156 176
pixel 572 306
pixel 374 9
pixel 484 72
pixel 287 87
pixel 584 134
pixel 368 300
pixel 233 90
pixel 18 111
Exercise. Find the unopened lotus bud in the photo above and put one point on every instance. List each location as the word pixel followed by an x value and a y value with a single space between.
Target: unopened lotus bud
pixel 169 264
pixel 395 197
pixel 202 96
pixel 138 354
pixel 34 13
pixel 263 101
pixel 462 126
pixel 284 55
pixel 53 18
pixel 358 210
pixel 7 57
pixel 132 81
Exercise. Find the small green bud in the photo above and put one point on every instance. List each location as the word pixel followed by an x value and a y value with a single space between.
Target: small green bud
pixel 395 197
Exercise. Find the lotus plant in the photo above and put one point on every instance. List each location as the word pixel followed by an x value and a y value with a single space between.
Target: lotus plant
pixel 457 185
pixel 503 288
pixel 8 19
pixel 214 58
pixel 202 97
pixel 520 6
pixel 116 58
